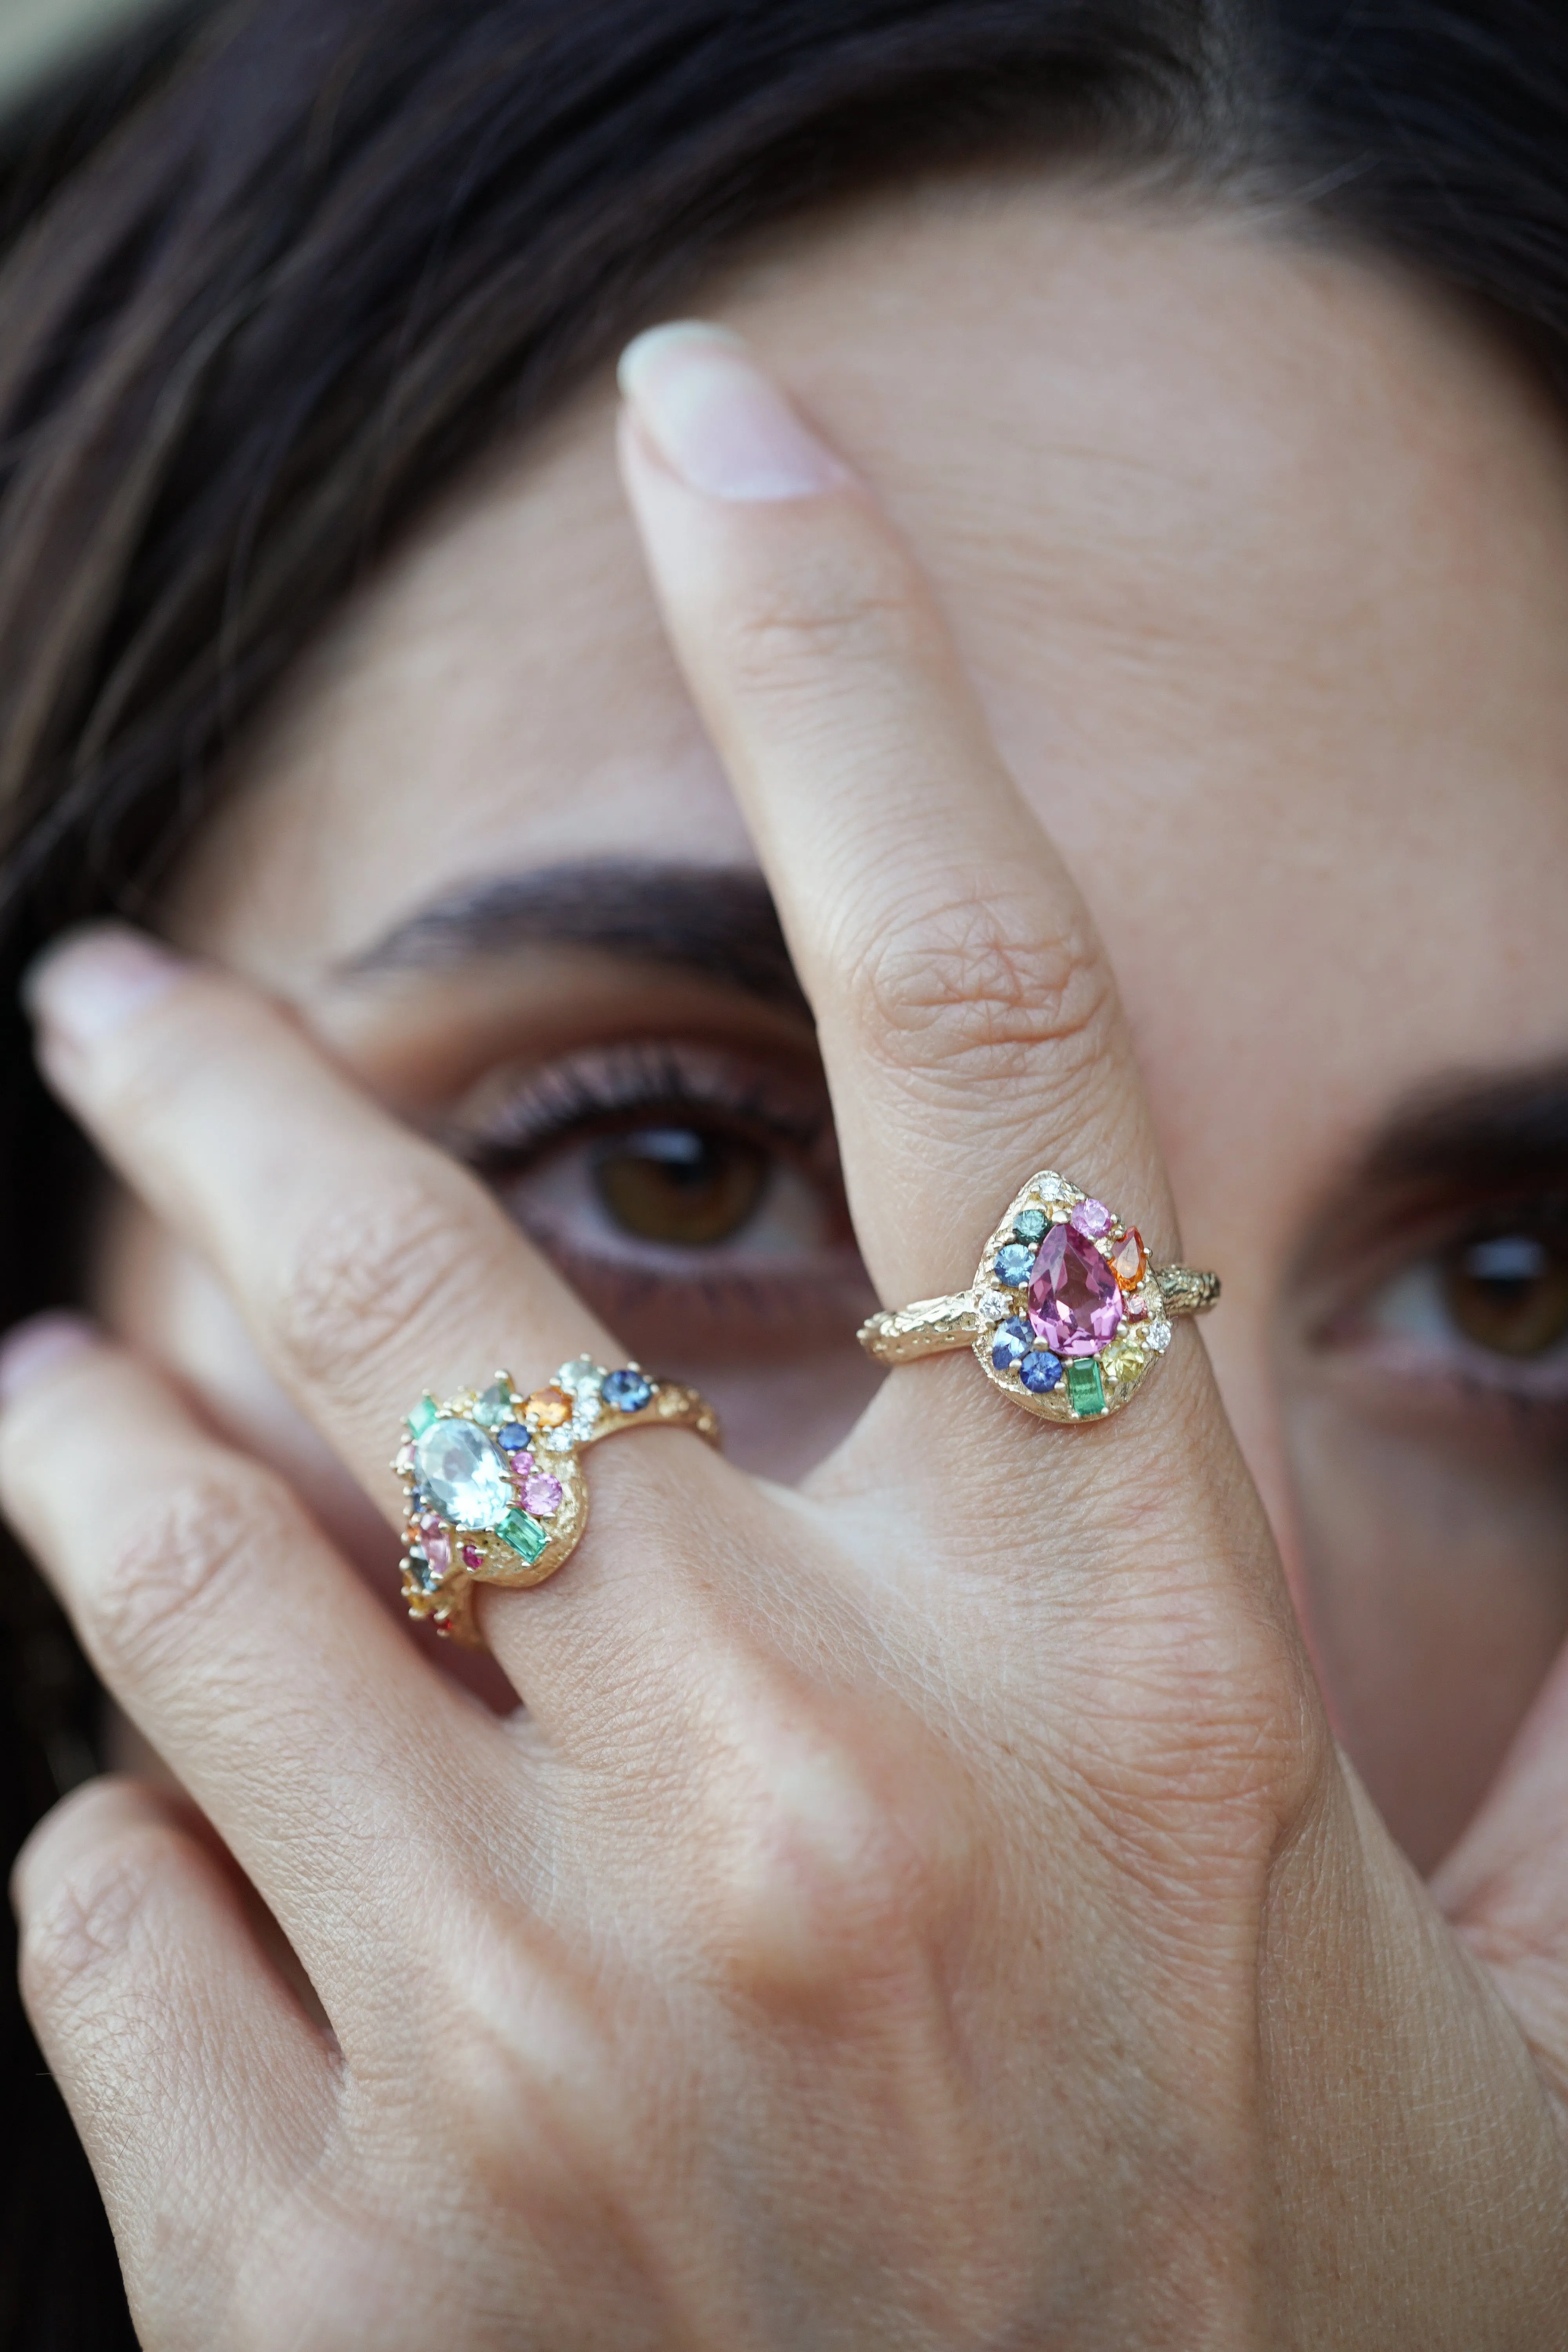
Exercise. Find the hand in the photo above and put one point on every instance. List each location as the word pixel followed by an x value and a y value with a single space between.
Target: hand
pixel 925 1910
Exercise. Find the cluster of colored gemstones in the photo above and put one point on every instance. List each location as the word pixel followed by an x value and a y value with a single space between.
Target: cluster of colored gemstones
pixel 1071 1313
pixel 491 1477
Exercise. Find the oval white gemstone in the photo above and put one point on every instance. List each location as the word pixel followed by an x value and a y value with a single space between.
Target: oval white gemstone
pixel 464 1474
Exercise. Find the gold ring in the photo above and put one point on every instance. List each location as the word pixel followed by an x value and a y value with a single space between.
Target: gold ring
pixel 1065 1314
pixel 493 1479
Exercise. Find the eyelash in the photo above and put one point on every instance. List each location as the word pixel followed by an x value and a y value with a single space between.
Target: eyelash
pixel 520 1120
pixel 592 1089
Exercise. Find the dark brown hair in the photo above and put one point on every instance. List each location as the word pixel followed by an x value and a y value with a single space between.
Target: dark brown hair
pixel 276 269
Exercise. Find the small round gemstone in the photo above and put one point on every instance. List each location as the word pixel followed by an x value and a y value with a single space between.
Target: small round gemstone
pixel 425 1574
pixel 1092 1219
pixel 1013 1263
pixel 522 1465
pixel 472 1556
pixel 464 1473
pixel 1129 1259
pixel 542 1496
pixel 514 1437
pixel 992 1305
pixel 627 1390
pixel 494 1406
pixel 581 1375
pixel 1159 1335
pixel 548 1408
pixel 1040 1372
pixel 1029 1225
pixel 1012 1342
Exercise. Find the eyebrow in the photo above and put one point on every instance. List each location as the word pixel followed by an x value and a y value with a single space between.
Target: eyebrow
pixel 1491 1134
pixel 714 922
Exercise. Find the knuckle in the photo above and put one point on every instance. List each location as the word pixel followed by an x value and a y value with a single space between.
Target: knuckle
pixel 174 1560
pixel 361 1276
pixel 81 1933
pixel 843 608
pixel 975 990
pixel 819 1893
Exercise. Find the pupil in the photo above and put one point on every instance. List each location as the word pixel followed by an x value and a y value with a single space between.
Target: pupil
pixel 685 1185
pixel 1509 1294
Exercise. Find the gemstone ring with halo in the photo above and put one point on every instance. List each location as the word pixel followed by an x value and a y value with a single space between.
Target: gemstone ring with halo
pixel 1065 1315
pixel 493 1483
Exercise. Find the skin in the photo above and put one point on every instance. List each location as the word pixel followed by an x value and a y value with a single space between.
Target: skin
pixel 1216 578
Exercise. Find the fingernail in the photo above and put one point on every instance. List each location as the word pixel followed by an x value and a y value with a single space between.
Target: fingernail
pixel 35 1347
pixel 85 985
pixel 716 420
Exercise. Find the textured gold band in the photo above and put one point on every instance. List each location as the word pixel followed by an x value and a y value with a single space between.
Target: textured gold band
pixel 940 1327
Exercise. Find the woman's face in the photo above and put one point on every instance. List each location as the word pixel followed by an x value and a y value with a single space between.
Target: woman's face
pixel 1259 557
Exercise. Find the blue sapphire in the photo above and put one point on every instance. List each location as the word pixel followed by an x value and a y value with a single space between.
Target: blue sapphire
pixel 1015 1263
pixel 1031 1225
pixel 514 1437
pixel 1040 1372
pixel 1012 1341
pixel 626 1392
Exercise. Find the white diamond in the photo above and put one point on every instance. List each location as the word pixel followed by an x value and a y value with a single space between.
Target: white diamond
pixel 582 1375
pixel 464 1474
pixel 993 1306
pixel 1159 1335
pixel 1052 1188
pixel 560 1440
pixel 589 1404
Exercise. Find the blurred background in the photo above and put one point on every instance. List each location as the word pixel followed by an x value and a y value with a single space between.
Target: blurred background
pixel 36 35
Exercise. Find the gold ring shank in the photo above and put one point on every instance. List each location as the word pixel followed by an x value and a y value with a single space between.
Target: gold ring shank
pixel 940 1327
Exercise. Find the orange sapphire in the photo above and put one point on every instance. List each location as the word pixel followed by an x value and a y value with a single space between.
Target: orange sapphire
pixel 1130 1261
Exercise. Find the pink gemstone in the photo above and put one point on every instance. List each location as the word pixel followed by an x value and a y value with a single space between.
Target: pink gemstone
pixel 472 1556
pixel 543 1496
pixel 521 1468
pixel 1075 1306
pixel 438 1545
pixel 1092 1219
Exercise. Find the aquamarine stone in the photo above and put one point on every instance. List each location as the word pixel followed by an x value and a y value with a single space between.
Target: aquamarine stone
pixel 495 1406
pixel 464 1474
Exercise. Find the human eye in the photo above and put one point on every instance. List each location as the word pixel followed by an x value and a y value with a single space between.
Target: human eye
pixel 687 1187
pixel 1481 1310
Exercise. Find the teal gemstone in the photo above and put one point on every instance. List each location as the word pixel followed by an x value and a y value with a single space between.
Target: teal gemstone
pixel 494 1407
pixel 1030 1225
pixel 524 1534
pixel 423 1413
pixel 1085 1387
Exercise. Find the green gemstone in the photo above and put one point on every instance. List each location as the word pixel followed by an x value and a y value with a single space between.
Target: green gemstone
pixel 1085 1387
pixel 494 1407
pixel 524 1534
pixel 423 1413
pixel 1030 1225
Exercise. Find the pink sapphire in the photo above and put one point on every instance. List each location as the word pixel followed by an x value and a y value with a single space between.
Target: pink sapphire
pixel 438 1545
pixel 543 1496
pixel 521 1467
pixel 472 1556
pixel 1092 1219
pixel 1075 1306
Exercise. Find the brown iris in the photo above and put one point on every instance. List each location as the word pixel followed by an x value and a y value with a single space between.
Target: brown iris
pixel 1510 1293
pixel 687 1186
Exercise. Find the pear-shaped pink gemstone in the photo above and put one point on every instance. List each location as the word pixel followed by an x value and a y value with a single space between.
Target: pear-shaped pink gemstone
pixel 1075 1305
